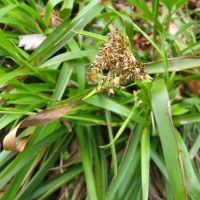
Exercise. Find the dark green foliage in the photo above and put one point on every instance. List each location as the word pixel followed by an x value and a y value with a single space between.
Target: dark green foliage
pixel 141 143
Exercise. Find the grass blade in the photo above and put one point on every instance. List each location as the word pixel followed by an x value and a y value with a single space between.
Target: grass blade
pixel 51 186
pixel 94 36
pixel 64 32
pixel 161 110
pixel 87 166
pixel 175 64
pixel 125 164
pixel 145 157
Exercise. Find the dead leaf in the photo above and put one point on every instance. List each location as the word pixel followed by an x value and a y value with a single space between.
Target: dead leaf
pixel 31 42
pixel 46 116
pixel 78 187
pixel 54 20
pixel 67 125
pixel 173 28
pixel 4 188
pixel 194 5
pixel 194 87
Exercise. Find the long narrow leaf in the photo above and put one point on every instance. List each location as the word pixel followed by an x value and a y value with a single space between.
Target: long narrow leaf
pixel 162 113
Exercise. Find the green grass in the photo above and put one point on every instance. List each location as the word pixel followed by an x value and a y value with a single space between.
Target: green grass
pixel 141 143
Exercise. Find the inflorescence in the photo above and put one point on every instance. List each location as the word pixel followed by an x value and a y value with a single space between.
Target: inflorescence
pixel 115 66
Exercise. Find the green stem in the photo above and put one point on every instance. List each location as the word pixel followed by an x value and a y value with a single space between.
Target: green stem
pixel 110 135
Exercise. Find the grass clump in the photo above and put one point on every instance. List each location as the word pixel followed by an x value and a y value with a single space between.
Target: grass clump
pixel 63 136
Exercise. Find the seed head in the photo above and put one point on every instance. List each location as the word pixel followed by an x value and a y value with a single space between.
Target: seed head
pixel 115 66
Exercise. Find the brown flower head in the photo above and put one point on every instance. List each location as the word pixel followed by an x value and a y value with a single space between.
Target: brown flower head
pixel 115 66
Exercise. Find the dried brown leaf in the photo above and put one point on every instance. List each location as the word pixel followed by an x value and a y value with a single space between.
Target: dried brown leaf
pixel 194 87
pixel 4 189
pixel 67 125
pixel 78 187
pixel 46 116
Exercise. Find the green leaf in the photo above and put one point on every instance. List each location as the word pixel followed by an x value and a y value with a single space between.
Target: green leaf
pixel 122 128
pixel 94 36
pixel 87 166
pixel 125 164
pixel 178 110
pixel 64 32
pixel 67 56
pixel 168 3
pixel 145 162
pixel 6 9
pixel 162 113
pixel 27 156
pixel 175 64
pixel 46 165
pixel 111 105
pixel 192 182
pixel 186 119
pixel 52 185
pixel 62 82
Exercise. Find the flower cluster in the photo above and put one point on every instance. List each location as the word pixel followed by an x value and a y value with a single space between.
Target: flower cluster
pixel 115 66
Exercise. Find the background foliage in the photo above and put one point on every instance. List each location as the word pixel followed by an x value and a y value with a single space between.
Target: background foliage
pixel 141 143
